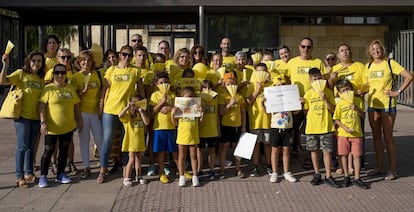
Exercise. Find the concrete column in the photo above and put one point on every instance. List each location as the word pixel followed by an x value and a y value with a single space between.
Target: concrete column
pixel 201 26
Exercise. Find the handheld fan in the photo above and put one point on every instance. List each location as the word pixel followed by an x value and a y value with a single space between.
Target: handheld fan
pixel 259 76
pixel 319 85
pixel 164 88
pixel 347 96
pixel 232 90
pixel 9 47
pixel 256 57
pixel 271 65
pixel 142 104
pixel 207 95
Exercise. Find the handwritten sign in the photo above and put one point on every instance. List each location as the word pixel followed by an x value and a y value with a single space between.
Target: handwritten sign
pixel 282 98
pixel 187 107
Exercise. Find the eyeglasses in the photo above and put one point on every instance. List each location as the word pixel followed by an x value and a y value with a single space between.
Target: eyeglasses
pixel 59 72
pixel 126 54
pixel 66 57
pixel 305 47
pixel 197 52
pixel 136 40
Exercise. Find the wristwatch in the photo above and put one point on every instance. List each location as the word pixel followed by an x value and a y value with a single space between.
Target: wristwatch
pixel 399 91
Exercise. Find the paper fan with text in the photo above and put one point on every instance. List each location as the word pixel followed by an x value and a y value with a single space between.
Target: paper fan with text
pixel 319 85
pixel 232 90
pixel 9 47
pixel 164 87
pixel 142 104
pixel 259 76
pixel 347 96
pixel 207 95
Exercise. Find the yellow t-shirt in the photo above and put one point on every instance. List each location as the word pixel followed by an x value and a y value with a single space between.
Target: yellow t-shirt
pixel 379 79
pixel 162 121
pixel 208 127
pixel 318 118
pixel 60 115
pixel 89 100
pixel 187 131
pixel 232 118
pixel 353 73
pixel 50 62
pixel 299 72
pixel 349 117
pixel 134 139
pixel 121 87
pixel 229 60
pixel 32 86
pixel 49 75
pixel 279 74
pixel 258 118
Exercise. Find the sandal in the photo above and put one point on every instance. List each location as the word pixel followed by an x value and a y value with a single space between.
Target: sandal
pixel 22 183
pixel 31 178
pixel 101 178
pixel 391 176
pixel 307 164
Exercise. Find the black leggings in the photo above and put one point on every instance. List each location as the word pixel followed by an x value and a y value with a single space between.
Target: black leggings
pixel 50 143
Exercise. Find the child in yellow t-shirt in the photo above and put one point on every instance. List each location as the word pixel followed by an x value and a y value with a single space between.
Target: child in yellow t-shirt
pixel 319 107
pixel 187 138
pixel 164 130
pixel 348 118
pixel 209 129
pixel 233 122
pixel 133 118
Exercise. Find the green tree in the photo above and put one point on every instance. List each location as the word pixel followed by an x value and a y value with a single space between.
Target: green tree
pixel 64 33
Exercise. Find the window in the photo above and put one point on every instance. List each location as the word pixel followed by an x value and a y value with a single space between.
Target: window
pixel 353 20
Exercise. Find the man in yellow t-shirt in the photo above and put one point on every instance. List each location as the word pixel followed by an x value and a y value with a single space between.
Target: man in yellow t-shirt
pixel 319 106
pixel 298 73
pixel 135 42
pixel 228 59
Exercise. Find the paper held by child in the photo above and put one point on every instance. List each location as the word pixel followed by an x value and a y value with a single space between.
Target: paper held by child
pixel 9 47
pixel 245 146
pixel 318 85
pixel 187 107
pixel 232 90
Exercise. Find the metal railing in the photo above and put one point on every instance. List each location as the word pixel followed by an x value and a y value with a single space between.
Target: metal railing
pixel 401 45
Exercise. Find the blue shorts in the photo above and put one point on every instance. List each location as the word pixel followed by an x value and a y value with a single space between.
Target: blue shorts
pixel 164 141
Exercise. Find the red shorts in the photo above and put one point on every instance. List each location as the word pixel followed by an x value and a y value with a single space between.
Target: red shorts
pixel 347 145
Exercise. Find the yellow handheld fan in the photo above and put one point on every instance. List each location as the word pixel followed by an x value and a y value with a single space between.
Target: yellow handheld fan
pixel 164 88
pixel 232 90
pixel 319 85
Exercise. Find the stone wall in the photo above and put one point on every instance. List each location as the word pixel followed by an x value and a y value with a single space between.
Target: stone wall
pixel 327 38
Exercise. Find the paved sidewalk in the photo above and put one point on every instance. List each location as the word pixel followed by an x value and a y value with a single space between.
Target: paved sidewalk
pixel 230 194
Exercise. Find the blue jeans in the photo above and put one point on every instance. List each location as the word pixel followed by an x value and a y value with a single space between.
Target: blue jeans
pixel 110 124
pixel 27 132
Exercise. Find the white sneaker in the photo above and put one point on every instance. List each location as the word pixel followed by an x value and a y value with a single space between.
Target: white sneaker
pixel 288 176
pixel 196 182
pixel 273 177
pixel 127 182
pixel 228 163
pixel 181 181
pixel 140 180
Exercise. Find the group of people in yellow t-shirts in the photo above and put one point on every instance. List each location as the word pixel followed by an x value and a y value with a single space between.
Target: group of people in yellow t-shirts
pixel 135 94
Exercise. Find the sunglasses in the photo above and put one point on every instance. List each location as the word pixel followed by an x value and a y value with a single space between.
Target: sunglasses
pixel 59 72
pixel 126 54
pixel 331 58
pixel 305 47
pixel 66 57
pixel 136 40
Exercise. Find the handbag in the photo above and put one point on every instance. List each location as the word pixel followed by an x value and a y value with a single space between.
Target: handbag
pixel 12 104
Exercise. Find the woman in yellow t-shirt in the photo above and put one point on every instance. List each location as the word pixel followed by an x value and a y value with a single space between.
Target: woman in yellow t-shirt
pixel 379 73
pixel 50 48
pixel 88 83
pixel 121 83
pixel 198 61
pixel 30 80
pixel 182 61
pixel 59 117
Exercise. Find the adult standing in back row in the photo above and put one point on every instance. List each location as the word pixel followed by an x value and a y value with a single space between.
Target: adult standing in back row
pixel 298 73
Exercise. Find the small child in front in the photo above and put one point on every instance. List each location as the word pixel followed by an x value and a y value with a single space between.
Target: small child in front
pixel 133 118
pixel 319 107
pixel 348 116
pixel 187 139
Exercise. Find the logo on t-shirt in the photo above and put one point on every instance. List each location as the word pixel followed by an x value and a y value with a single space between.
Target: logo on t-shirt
pixel 376 74
pixel 303 70
pixel 34 84
pixel 122 77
